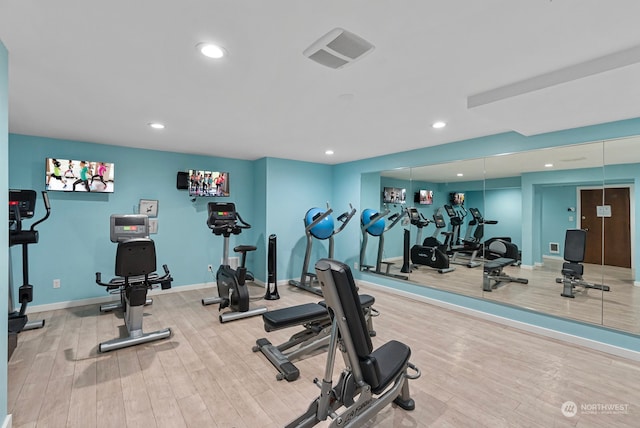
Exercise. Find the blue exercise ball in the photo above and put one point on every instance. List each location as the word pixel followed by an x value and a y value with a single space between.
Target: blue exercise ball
pixel 322 230
pixel 377 228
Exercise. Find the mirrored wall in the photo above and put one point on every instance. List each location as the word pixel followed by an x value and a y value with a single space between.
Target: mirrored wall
pixel 530 200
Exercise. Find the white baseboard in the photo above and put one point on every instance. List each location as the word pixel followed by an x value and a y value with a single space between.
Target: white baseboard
pixel 115 297
pixel 542 331
pixel 526 267
pixel 547 256
pixel 111 298
pixel 8 421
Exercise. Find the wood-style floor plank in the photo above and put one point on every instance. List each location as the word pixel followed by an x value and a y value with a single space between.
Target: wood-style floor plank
pixel 474 372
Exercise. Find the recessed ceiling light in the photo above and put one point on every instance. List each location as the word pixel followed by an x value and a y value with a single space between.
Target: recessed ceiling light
pixel 439 124
pixel 460 174
pixel 328 152
pixel 156 125
pixel 210 50
pixel 548 165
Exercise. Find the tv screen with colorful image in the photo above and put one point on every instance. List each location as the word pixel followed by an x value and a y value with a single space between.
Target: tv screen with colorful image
pixel 394 195
pixel 71 175
pixel 424 197
pixel 457 198
pixel 208 183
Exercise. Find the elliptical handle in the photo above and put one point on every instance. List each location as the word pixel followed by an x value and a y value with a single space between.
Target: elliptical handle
pixel 47 206
pixel 243 224
pixel 345 217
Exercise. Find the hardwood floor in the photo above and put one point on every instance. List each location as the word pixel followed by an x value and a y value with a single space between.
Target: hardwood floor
pixel 474 373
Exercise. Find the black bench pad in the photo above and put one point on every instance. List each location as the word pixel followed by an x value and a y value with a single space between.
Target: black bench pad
pixel 303 314
pixel 497 263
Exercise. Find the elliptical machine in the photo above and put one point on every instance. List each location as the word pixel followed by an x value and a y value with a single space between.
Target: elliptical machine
pixel 224 220
pixel 428 252
pixel 373 223
pixel 22 205
pixel 319 224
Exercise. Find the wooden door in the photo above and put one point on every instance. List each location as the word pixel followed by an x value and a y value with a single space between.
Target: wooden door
pixel 609 230
pixel 617 228
pixel 590 199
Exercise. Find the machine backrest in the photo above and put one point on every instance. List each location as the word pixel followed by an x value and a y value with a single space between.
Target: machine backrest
pixel 347 292
pixel 135 257
pixel 575 242
pixel 128 226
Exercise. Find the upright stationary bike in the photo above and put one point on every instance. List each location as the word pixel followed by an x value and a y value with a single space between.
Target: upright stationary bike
pixel 224 220
pixel 319 224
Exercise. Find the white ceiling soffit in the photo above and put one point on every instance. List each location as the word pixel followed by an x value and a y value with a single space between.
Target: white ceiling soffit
pixel 338 48
pixel 597 91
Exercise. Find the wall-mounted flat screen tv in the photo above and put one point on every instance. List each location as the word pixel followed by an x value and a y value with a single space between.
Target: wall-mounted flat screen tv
pixel 71 175
pixel 394 195
pixel 208 183
pixel 456 198
pixel 423 197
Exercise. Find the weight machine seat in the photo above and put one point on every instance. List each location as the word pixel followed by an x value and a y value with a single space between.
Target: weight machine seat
pixel 498 263
pixel 307 313
pixel 575 242
pixel 493 272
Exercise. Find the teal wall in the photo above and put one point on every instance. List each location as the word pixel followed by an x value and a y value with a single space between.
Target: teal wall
pixel 74 242
pixel 292 189
pixel 4 217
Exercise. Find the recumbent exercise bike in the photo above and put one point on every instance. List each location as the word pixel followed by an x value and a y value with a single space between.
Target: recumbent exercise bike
pixel 135 269
pixel 223 219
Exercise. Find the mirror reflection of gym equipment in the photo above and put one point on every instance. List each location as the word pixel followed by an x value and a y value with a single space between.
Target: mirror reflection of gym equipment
pixel 575 244
pixel 22 205
pixel 519 190
pixel 373 223
pixel 430 252
pixel 136 275
pixel 319 224
pixel 233 292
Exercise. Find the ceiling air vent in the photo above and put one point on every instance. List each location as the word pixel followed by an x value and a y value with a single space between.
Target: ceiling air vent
pixel 338 48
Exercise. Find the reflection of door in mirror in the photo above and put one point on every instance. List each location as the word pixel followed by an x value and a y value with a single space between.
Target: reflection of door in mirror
pixel 613 211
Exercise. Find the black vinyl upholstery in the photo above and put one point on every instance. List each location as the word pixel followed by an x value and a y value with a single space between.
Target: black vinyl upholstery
pixel 381 366
pixel 575 242
pixel 135 257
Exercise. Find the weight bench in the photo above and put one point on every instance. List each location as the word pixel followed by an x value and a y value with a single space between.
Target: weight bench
pixel 315 335
pixel 493 271
pixel 575 242
pixel 371 379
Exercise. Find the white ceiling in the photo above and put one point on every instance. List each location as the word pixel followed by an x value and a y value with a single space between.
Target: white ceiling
pixel 101 71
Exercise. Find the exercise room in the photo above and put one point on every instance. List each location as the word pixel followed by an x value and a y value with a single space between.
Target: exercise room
pixel 364 214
